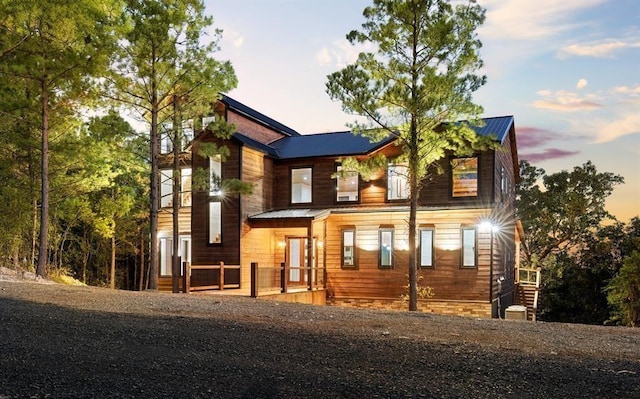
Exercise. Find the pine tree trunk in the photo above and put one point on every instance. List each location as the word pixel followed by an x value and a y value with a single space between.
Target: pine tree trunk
pixel 41 270
pixel 112 274
pixel 177 142
pixel 155 177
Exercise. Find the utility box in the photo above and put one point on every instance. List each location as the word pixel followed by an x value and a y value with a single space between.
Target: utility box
pixel 516 312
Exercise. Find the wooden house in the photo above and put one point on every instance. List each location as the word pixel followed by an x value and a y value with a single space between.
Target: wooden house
pixel 344 241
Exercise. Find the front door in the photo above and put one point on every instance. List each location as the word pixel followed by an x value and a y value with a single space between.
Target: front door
pixel 296 260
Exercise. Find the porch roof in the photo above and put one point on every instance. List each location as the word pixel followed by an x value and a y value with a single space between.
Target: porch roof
pixel 288 218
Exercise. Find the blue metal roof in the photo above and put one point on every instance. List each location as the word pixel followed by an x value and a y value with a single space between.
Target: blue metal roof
pixel 339 144
pixel 498 126
pixel 257 116
pixel 326 144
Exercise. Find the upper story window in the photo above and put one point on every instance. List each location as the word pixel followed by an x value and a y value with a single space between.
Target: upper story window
pixel 185 175
pixel 301 185
pixel 207 120
pixel 166 188
pixel 469 244
pixel 464 177
pixel 165 130
pixel 397 182
pixel 215 175
pixel 347 185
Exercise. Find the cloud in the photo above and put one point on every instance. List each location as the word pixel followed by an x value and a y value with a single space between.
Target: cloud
pixel 518 20
pixel 599 49
pixel 342 53
pixel 531 137
pixel 626 90
pixel 566 101
pixel 233 37
pixel 582 83
pixel 549 153
pixel 606 130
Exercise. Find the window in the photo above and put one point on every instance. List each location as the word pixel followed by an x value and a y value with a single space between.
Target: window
pixel 215 222
pixel 186 187
pixel 469 247
pixel 215 175
pixel 300 185
pixel 207 120
pixel 426 247
pixel 347 185
pixel 503 182
pixel 166 252
pixel 187 133
pixel 348 249
pixel 164 132
pixel 397 182
pixel 385 240
pixel 166 188
pixel 464 172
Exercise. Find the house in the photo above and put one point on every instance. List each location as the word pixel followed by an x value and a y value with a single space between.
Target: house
pixel 343 241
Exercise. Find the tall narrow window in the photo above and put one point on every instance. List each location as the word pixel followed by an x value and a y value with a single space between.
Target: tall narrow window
pixel 215 222
pixel 469 254
pixel 348 249
pixel 346 185
pixel 397 182
pixel 426 247
pixel 301 185
pixel 186 186
pixel 503 184
pixel 166 251
pixel 464 177
pixel 187 133
pixel 215 175
pixel 166 188
pixel 385 250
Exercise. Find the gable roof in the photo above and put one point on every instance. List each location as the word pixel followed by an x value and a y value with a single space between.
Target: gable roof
pixel 327 144
pixel 498 126
pixel 257 116
pixel 346 143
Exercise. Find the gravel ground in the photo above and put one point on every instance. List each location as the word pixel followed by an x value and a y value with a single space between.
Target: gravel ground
pixel 77 342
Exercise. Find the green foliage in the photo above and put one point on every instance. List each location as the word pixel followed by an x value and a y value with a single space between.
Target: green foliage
pixel 624 291
pixel 564 209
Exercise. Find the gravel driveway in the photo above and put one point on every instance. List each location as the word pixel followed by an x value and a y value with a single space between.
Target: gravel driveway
pixel 83 342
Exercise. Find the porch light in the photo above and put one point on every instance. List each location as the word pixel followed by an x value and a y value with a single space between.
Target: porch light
pixel 487 225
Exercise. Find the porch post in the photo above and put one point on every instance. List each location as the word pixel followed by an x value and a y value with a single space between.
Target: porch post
pixel 310 255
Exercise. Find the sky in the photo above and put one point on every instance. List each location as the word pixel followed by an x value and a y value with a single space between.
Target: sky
pixel 568 71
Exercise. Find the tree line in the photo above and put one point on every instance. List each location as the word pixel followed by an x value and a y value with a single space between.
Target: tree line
pixel 590 261
pixel 80 185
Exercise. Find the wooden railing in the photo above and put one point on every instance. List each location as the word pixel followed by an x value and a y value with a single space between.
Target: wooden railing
pixel 529 280
pixel 222 284
pixel 267 280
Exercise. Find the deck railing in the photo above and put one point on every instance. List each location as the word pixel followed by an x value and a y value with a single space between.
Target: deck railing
pixel 218 271
pixel 266 280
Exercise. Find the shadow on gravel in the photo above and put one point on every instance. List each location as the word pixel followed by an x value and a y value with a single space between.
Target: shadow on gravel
pixel 53 351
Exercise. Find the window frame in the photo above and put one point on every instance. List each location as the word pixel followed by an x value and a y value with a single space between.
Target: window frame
pixel 219 225
pixel 166 188
pixel 354 257
pixel 186 195
pixel 357 191
pixel 292 201
pixel 464 229
pixel 452 167
pixel 381 231
pixel 405 177
pixel 432 247
pixel 215 162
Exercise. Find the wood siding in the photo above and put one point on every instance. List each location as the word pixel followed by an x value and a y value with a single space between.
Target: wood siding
pixel 228 251
pixel 447 278
pixel 252 129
